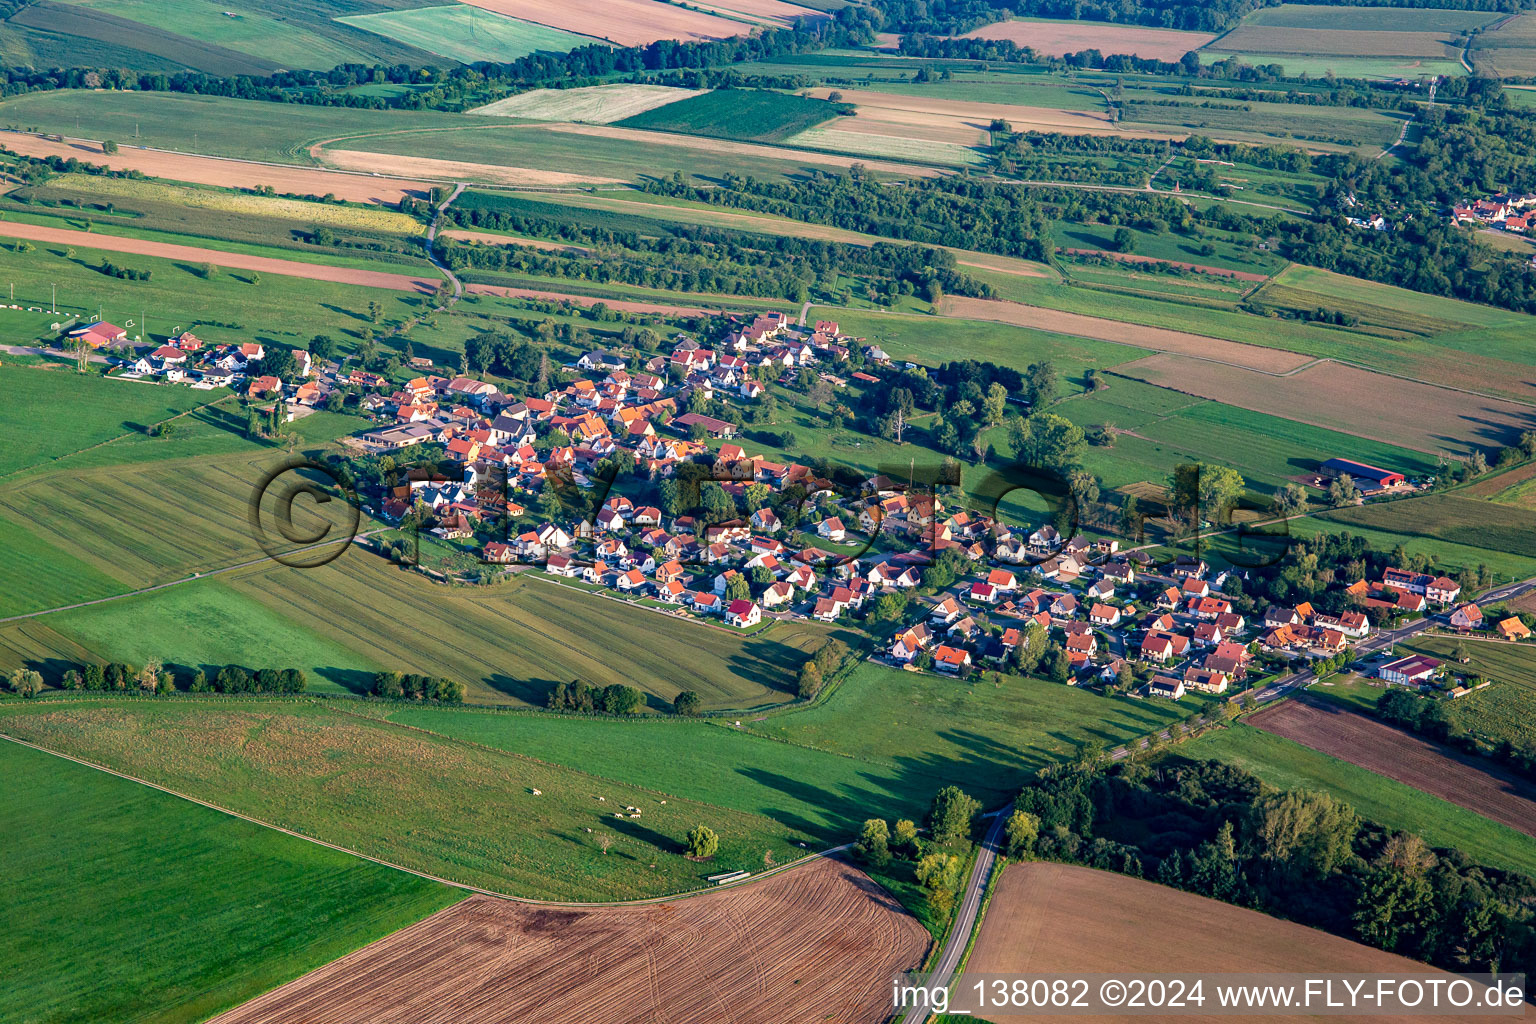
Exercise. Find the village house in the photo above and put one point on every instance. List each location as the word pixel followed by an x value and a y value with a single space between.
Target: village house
pixel 951 659
pixel 1410 671
pixel 1169 687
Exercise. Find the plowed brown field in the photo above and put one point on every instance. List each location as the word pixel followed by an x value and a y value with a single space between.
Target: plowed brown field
pixel 1270 360
pixel 817 943
pixel 1055 38
pixel 1341 397
pixel 218 257
pixel 1064 919
pixel 208 170
pixel 1477 784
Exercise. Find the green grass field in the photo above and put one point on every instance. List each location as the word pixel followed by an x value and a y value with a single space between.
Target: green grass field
pixel 51 412
pixel 824 794
pixel 128 904
pixel 1448 517
pixel 250 129
pixel 755 114
pixel 466 34
pixel 229 307
pixel 986 737
pixel 35 575
pixel 205 624
pixel 455 810
pixel 1514 664
pixel 1289 765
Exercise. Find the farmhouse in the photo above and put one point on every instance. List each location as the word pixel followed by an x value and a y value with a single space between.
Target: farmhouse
pixel 99 334
pixel 1409 671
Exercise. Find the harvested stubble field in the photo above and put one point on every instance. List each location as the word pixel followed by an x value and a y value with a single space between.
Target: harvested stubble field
pixel 1475 783
pixel 768 12
pixel 219 258
pixel 594 104
pixel 1508 49
pixel 1269 360
pixel 1407 413
pixel 240 203
pixel 453 810
pixel 207 170
pixel 1066 919
pixel 152 523
pixel 818 942
pixel 450 170
pixel 1057 38
pixel 626 22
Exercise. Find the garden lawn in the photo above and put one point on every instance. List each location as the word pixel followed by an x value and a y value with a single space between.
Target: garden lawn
pixel 123 903
pixel 1289 765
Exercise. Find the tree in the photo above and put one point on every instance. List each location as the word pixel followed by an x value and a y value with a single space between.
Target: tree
pixel 26 682
pixel 737 589
pixel 1291 500
pixel 210 271
pixel 109 147
pixel 951 815
pixel 686 703
pixel 1022 829
pixel 873 846
pixel 939 874
pixel 904 836
pixel 1048 441
pixel 619 699
pixel 1042 385
pixel 1123 240
pixel 702 842
pixel 1342 491
pixel 995 404
pixel 808 684
pixel 1310 832
pixel 149 676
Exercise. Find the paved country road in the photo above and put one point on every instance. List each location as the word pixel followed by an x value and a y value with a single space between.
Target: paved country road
pixel 965 916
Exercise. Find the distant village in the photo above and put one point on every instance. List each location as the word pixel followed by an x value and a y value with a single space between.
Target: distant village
pixel 955 592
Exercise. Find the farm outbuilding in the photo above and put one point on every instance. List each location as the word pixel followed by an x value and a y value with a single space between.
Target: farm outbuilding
pixel 1361 473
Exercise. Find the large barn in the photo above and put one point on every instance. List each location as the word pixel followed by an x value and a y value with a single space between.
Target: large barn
pixel 1360 473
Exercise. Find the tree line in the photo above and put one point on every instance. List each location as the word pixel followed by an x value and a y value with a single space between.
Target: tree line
pixel 704 259
pixel 416 686
pixel 1216 830
pixel 1431 717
